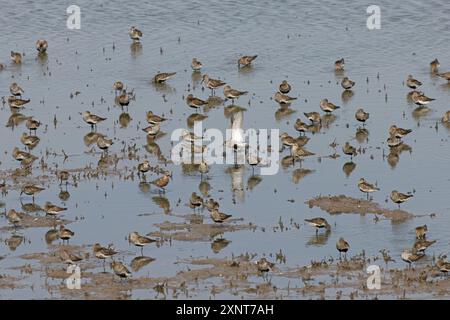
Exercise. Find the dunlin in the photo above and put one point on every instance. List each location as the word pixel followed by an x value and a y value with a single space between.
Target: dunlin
pixel 16 57
pixel 16 103
pixel 152 130
pixel 264 265
pixel 118 86
pixel 342 246
pixel 349 150
pixel 287 140
pixel 124 98
pixel 446 117
pixel 69 257
pixel 31 190
pixel 318 223
pixel 347 84
pixel 154 119
pixel 366 187
pixel 413 83
pixel 442 265
pixel 328 106
pixel 16 90
pixel 212 83
pixel 411 255
pixel 212 204
pixel 398 132
pixel 339 64
pixel 92 119
pixel 284 87
pixel 232 94
pixel 218 216
pixel 195 201
pixel 361 115
pixel 163 181
pixel 120 270
pixel 41 45
pixel 194 102
pixel 163 76
pixel 14 217
pixel 103 252
pixel 420 99
pixel 144 167
pixel 63 175
pixel 398 197
pixel 421 232
pixel 300 126
pixel 53 210
pixel 65 234
pixel 313 116
pixel 135 34
pixel 246 60
pixel 20 155
pixel 104 143
pixel 283 99
pixel 298 152
pixel 196 65
pixel 422 245
pixel 445 75
pixel 203 167
pixel 29 141
pixel 139 241
pixel 434 65
pixel 393 141
pixel 32 124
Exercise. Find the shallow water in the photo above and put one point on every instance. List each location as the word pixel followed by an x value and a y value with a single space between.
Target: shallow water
pixel 294 41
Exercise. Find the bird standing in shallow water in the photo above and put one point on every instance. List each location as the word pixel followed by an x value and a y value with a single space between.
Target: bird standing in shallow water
pixel 232 94
pixel 135 34
pixel 16 57
pixel 361 116
pixel 411 255
pixel 41 45
pixel 284 87
pixel 398 197
pixel 196 65
pixel 366 187
pixel 163 77
pixel 246 60
pixel 120 270
pixel 212 83
pixel 339 65
pixel 421 232
pixel 434 65
pixel 342 246
pixel 318 223
pixel 413 83
pixel 347 84
pixel 140 241
pixel 349 150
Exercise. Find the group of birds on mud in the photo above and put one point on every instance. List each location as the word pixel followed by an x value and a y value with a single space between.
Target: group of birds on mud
pixel 295 144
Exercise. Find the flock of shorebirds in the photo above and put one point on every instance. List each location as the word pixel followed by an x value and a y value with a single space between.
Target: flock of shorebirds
pixel 295 144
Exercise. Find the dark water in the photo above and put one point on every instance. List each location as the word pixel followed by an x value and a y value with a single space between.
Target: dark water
pixel 294 41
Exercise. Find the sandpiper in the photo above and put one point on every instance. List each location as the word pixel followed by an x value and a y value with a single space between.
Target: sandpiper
pixel 318 223
pixel 195 201
pixel 445 75
pixel 140 241
pixel 366 187
pixel 300 126
pixel 411 255
pixel 163 76
pixel 103 252
pixel 443 266
pixel 16 103
pixel 361 115
pixel 232 94
pixel 246 60
pixel 349 150
pixel 152 130
pixel 124 98
pixel 135 33
pixel 212 83
pixel 196 65
pixel 283 99
pixel 398 132
pixel 422 245
pixel 203 167
pixel 313 116
pixel 32 124
pixel 284 87
pixel 393 141
pixel 41 45
pixel 264 265
pixel 446 117
pixel 347 84
pixel 63 175
pixel 16 90
pixel 154 119
pixel 420 99
pixel 194 102
pixel 413 83
pixel 163 181
pixel 434 65
pixel 53 210
pixel 212 204
pixel 104 143
pixel 120 270
pixel 339 64
pixel 328 107
pixel 14 217
pixel 218 216
pixel 298 152
pixel 421 232
pixel 31 190
pixel 92 119
pixel 398 197
pixel 287 140
pixel 65 234
pixel 144 167
pixel 20 155
pixel 29 141
pixel 342 246
pixel 118 86
pixel 16 57
pixel 69 257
